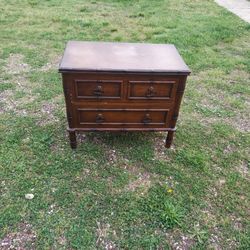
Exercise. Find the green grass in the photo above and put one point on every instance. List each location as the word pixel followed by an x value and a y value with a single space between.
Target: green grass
pixel 124 190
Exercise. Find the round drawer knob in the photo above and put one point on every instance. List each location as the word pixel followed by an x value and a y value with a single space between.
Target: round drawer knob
pixel 99 118
pixel 98 91
pixel 147 119
pixel 150 92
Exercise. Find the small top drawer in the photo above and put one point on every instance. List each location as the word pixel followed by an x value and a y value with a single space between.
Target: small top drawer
pixel 161 90
pixel 98 89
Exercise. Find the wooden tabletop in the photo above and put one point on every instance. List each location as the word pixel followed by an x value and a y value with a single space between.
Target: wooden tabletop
pixel 122 57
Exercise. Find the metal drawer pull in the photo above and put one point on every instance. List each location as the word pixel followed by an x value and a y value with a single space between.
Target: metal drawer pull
pixel 98 91
pixel 99 118
pixel 147 119
pixel 150 92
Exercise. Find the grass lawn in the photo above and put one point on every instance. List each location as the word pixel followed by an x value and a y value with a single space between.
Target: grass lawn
pixel 124 191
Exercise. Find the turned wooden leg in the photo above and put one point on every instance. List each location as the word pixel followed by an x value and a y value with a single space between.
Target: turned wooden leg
pixel 72 138
pixel 169 139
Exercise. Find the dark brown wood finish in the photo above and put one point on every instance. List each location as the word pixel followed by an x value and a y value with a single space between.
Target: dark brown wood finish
pixel 97 89
pixel 121 117
pixel 123 95
pixel 152 90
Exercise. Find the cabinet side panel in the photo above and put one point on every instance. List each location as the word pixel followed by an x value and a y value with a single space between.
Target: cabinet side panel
pixel 67 89
pixel 178 98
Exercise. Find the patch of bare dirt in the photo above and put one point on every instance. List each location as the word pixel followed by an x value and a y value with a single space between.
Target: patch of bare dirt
pixel 62 241
pixel 221 183
pixel 241 122
pixel 160 152
pixel 103 233
pixel 236 223
pixel 179 241
pixel 216 100
pixel 140 180
pixel 131 169
pixel 15 64
pixel 216 241
pixel 208 215
pixel 9 103
pixel 143 180
pixel 111 153
pixel 8 100
pixel 53 64
pixel 19 240
pixel 81 137
pixel 229 149
pixel 47 113
pixel 243 169
pixel 112 156
pixel 235 49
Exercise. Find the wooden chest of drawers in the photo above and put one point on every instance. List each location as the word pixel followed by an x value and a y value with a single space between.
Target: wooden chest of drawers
pixel 122 87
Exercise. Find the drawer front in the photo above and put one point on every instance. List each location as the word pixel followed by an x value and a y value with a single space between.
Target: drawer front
pixel 152 90
pixel 122 117
pixel 98 89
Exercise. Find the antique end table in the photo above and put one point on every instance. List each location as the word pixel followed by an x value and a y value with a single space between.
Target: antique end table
pixel 122 87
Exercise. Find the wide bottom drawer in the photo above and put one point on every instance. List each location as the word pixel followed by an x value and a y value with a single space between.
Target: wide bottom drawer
pixel 122 117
